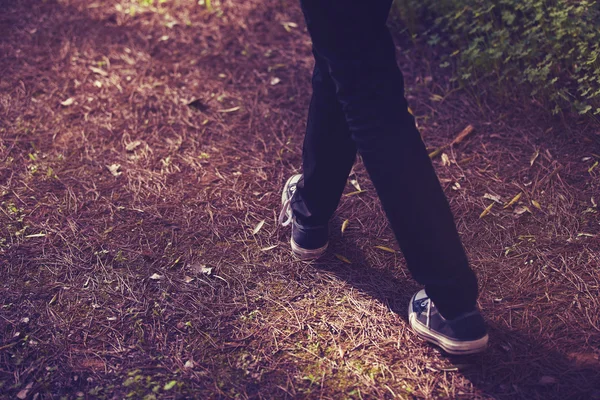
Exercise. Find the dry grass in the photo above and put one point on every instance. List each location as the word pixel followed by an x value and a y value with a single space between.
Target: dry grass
pixel 105 288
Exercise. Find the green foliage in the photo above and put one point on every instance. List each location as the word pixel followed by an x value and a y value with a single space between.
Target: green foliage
pixel 550 47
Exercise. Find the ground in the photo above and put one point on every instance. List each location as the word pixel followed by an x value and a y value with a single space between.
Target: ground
pixel 142 153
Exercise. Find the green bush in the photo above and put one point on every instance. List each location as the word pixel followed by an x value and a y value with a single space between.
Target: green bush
pixel 549 47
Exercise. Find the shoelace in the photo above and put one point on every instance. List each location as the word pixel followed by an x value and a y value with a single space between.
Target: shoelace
pixel 286 211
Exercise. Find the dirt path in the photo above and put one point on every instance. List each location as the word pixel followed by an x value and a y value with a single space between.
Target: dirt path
pixel 142 151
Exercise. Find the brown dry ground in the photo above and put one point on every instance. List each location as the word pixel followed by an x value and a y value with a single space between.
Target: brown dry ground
pixel 106 291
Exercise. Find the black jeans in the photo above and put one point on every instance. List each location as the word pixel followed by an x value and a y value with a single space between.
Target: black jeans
pixel 358 104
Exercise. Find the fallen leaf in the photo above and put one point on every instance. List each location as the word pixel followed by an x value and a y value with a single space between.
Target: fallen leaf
pixel 436 152
pixel 521 210
pixel 156 277
pixel 68 102
pixel 114 169
pixel 534 157
pixel 23 393
pixel 385 249
pixel 170 385
pixel 594 204
pixel 188 279
pixel 206 270
pixel 584 359
pixel 99 71
pixel 536 204
pixel 288 25
pixel 463 134
pixel 354 183
pixel 268 248
pixel 585 234
pixel 547 380
pixel 590 169
pixel 258 227
pixel 345 225
pixel 111 318
pixel 487 210
pixel 35 235
pixel 97 84
pixel 189 364
pixel 357 192
pixel 436 97
pixel 342 258
pixel 274 81
pixel 456 186
pixel 132 145
pixel 229 110
pixel 25 320
pixel 492 197
pixel 445 160
pixel 514 200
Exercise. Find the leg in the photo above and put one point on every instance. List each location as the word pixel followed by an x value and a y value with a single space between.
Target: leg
pixel 360 54
pixel 328 153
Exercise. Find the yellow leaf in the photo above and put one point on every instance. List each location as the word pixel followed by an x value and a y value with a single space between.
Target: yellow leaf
pixel 357 192
pixel 229 110
pixel 445 160
pixel 258 227
pixel 514 200
pixel 436 152
pixel 342 258
pixel 486 211
pixel 592 167
pixel 463 134
pixel 534 157
pixel 536 204
pixel 68 102
pixel 385 249
pixel 345 225
pixel 411 111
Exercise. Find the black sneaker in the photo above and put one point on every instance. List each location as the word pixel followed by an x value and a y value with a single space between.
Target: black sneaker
pixel 465 334
pixel 308 242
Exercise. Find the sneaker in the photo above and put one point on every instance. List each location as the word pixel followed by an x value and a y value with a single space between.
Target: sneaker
pixel 465 334
pixel 308 242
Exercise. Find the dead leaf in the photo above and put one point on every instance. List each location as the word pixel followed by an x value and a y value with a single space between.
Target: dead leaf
pixel 114 169
pixel 68 102
pixel 493 197
pixel 534 157
pixel 156 277
pixel 99 71
pixel 521 210
pixel 189 364
pixel 463 134
pixel 436 97
pixel 188 279
pixel 268 248
pixel 547 380
pixel 23 393
pixel 487 210
pixel 258 227
pixel 205 270
pixel 354 183
pixel 342 258
pixel 274 81
pixel 229 110
pixel 345 225
pixel 436 152
pixel 357 192
pixel 456 186
pixel 536 204
pixel 386 249
pixel 133 145
pixel 514 200
pixel 445 160
pixel 584 359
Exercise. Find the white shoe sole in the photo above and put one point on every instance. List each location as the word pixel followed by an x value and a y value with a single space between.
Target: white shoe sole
pixel 448 345
pixel 307 254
